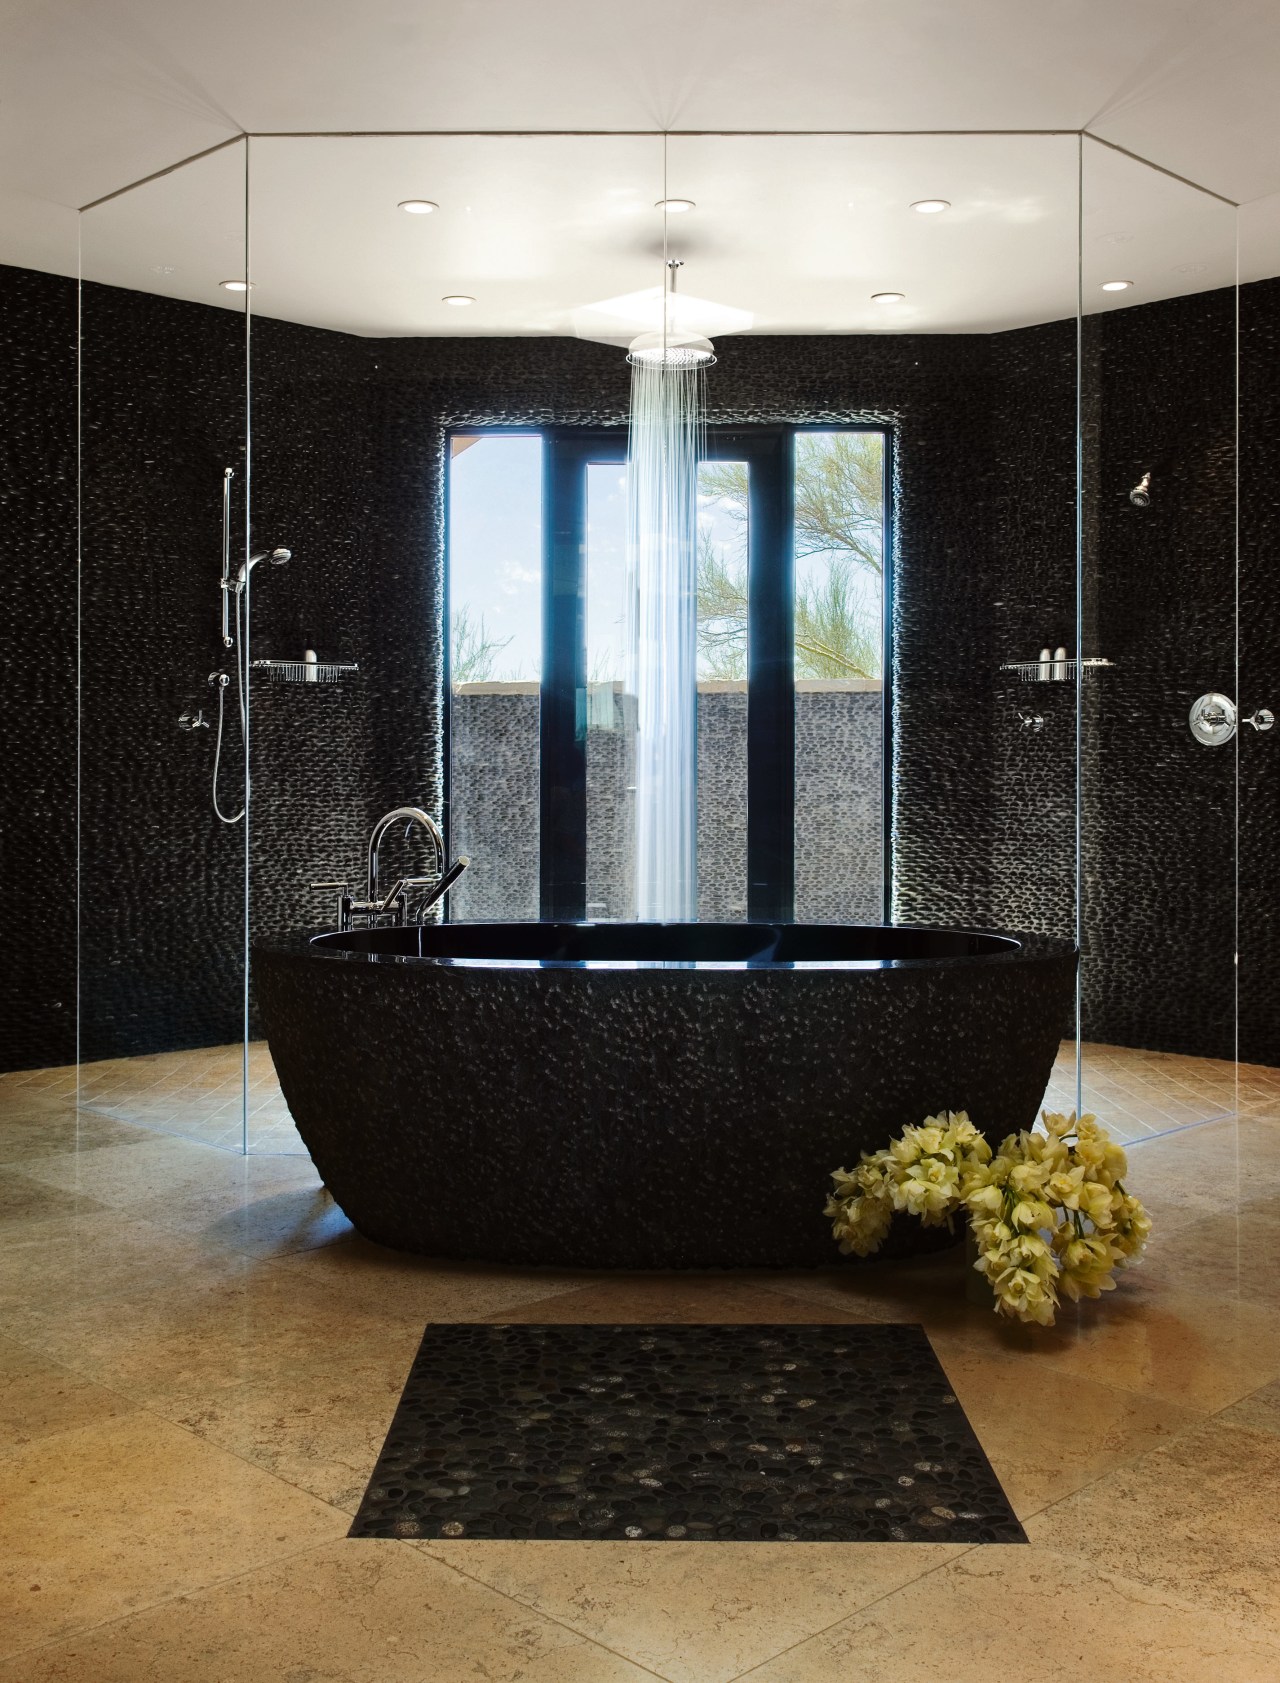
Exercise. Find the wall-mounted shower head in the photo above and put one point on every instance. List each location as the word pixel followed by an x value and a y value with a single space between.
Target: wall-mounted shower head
pixel 277 558
pixel 1140 496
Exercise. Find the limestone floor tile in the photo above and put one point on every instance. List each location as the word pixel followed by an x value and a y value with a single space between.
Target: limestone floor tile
pixel 164 1168
pixel 1024 1615
pixel 24 1200
pixel 925 1290
pixel 1234 1254
pixel 1199 1351
pixel 695 1613
pixel 181 1348
pixel 39 1398
pixel 1195 1520
pixel 321 1428
pixel 54 1266
pixel 251 1215
pixel 692 1298
pixel 1046 1439
pixel 417 1289
pixel 116 1516
pixel 1258 1412
pixel 52 1128
pixel 1206 1170
pixel 348 1612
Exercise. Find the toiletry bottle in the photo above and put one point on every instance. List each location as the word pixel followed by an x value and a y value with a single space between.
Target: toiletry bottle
pixel 1060 663
pixel 1043 666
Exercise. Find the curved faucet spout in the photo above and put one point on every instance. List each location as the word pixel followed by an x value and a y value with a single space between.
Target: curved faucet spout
pixel 406 815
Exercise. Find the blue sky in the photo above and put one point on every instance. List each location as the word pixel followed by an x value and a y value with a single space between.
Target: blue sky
pixel 495 552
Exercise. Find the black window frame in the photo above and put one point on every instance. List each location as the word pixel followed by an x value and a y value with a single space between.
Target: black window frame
pixel 769 451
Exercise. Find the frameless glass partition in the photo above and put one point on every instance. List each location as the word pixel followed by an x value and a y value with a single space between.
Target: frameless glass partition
pixel 162 702
pixel 961 557
pixel 1257 666
pixel 1160 758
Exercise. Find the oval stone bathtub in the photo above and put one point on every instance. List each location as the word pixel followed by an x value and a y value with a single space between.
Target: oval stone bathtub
pixel 644 1095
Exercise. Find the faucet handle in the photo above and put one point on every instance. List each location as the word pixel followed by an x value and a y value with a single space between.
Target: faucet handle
pixel 344 901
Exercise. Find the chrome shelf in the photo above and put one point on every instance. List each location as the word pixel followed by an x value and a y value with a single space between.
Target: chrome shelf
pixel 1060 671
pixel 305 671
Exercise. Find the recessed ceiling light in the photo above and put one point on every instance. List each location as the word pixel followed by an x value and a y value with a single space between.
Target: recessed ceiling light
pixel 677 207
pixel 888 297
pixel 459 300
pixel 1116 286
pixel 236 285
pixel 419 207
pixel 931 207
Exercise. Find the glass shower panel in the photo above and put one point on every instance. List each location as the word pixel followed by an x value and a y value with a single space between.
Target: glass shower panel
pixel 1159 600
pixel 833 305
pixel 1258 672
pixel 406 367
pixel 163 497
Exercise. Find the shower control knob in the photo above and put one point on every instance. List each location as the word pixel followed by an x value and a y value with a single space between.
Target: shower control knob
pixel 1213 719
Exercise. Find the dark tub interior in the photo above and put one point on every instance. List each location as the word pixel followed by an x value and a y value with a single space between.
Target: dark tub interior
pixel 672 943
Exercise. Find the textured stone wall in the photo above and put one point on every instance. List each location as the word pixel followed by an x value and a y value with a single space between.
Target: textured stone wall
pixel 349 467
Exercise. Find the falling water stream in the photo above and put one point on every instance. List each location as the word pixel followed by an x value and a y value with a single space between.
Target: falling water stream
pixel 667 410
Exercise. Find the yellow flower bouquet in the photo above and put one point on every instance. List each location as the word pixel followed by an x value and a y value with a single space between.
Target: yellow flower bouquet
pixel 1048 1211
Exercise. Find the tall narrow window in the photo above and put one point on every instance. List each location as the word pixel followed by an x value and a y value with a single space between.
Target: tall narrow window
pixel 495 670
pixel 839 676
pixel 610 721
pixel 724 521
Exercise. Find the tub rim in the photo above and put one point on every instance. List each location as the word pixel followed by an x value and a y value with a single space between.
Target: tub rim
pixel 1020 947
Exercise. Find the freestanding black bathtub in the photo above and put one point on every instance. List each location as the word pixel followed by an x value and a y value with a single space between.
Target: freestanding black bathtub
pixel 644 1095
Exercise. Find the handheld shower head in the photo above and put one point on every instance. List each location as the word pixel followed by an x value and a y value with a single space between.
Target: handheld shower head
pixel 1140 496
pixel 277 558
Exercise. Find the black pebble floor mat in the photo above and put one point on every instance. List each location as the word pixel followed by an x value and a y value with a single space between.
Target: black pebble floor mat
pixel 714 1433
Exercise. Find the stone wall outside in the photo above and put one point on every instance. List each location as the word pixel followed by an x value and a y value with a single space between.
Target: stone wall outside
pixel 494 801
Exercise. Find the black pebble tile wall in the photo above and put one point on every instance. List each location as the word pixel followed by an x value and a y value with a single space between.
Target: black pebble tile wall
pixel 349 473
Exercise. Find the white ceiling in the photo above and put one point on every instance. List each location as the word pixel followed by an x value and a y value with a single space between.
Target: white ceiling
pixel 798 232
pixel 98 93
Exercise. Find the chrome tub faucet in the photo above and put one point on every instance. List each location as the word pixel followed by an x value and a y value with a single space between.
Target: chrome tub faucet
pixel 393 906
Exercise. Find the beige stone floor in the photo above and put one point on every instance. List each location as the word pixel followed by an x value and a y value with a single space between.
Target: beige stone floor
pixel 198 1362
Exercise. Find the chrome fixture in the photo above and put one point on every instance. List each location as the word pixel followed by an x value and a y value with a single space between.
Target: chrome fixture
pixel 1033 721
pixel 1140 496
pixel 232 639
pixel 394 904
pixel 193 721
pixel 1214 718
pixel 277 558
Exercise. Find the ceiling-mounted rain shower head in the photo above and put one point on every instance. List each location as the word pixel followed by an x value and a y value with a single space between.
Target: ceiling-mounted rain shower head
pixel 1140 496
pixel 668 350
pixel 277 558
